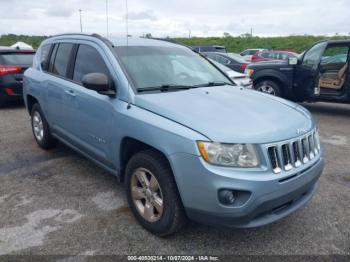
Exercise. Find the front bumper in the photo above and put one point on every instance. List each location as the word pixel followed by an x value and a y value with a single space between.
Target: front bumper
pixel 268 197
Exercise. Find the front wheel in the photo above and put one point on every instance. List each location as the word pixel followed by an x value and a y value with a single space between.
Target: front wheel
pixel 152 194
pixel 269 87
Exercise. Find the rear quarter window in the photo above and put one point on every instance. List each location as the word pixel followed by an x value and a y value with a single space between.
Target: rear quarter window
pixel 44 56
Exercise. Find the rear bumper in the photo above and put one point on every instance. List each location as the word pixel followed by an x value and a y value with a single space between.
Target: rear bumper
pixel 11 92
pixel 269 199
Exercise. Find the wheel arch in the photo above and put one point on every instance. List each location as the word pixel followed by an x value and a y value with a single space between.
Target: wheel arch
pixel 130 146
pixel 31 101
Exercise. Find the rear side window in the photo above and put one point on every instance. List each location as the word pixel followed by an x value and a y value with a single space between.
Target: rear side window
pixel 62 59
pixel 88 60
pixel 17 59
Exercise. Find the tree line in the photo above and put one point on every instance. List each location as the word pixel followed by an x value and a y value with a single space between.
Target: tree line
pixel 232 44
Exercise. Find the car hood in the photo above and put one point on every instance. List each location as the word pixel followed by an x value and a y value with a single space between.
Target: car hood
pixel 229 114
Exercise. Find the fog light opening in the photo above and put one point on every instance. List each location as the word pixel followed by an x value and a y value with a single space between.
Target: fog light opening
pixel 227 197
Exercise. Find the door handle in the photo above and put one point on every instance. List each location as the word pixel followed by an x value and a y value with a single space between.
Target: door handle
pixel 70 93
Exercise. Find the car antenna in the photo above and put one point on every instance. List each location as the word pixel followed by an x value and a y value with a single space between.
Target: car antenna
pixel 127 48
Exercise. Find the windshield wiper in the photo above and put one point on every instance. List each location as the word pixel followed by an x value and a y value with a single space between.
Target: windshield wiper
pixel 165 88
pixel 215 83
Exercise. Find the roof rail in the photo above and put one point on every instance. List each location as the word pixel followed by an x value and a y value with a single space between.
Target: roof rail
pixel 103 39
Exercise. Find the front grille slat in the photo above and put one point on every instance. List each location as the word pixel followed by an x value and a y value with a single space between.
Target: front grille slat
pixel 274 159
pixel 311 147
pixel 305 150
pixel 286 156
pixel 287 160
pixel 297 155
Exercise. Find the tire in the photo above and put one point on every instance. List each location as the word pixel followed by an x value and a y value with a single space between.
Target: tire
pixel 42 135
pixel 172 218
pixel 269 87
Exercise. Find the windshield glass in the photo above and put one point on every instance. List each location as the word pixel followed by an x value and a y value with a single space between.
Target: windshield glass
pixel 150 66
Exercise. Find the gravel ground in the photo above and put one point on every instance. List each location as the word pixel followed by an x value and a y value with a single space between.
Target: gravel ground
pixel 59 203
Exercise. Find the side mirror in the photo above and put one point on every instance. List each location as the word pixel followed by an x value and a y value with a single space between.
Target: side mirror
pixel 292 60
pixel 98 82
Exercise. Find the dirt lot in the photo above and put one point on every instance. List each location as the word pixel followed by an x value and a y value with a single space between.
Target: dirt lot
pixel 58 202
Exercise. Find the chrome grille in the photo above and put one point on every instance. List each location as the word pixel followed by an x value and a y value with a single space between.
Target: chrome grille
pixel 293 154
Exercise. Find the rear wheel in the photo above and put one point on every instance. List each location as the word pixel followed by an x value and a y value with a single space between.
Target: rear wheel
pixel 152 194
pixel 41 129
pixel 269 87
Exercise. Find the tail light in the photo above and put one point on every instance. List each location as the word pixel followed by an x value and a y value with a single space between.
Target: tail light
pixel 4 70
pixel 9 91
pixel 243 66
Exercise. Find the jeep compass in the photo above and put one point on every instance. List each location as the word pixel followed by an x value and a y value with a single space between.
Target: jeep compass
pixel 186 142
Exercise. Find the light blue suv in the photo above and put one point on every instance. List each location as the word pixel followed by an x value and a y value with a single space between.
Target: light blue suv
pixel 183 138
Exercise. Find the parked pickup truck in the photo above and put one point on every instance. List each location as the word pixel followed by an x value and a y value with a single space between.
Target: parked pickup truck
pixel 321 73
pixel 184 139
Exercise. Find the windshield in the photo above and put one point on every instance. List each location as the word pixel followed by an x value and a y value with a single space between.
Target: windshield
pixel 150 66
pixel 17 58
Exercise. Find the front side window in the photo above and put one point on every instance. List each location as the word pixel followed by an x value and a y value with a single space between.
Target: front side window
pixel 88 60
pixel 313 56
pixel 336 55
pixel 151 66
pixel 62 58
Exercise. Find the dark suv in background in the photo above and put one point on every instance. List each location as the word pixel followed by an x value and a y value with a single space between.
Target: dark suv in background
pixel 321 73
pixel 13 63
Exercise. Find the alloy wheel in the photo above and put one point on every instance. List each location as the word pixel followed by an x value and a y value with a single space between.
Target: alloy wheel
pixel 38 126
pixel 266 88
pixel 147 195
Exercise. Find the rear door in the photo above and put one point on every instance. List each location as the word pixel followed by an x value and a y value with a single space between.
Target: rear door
pixel 56 85
pixel 307 72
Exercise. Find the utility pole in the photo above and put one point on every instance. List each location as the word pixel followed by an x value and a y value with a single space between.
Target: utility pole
pixel 189 33
pixel 107 22
pixel 251 32
pixel 81 24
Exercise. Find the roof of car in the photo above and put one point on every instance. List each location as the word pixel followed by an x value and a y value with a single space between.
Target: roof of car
pixel 340 42
pixel 8 49
pixel 116 41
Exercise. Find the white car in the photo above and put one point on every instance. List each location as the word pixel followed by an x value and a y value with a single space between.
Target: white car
pixel 238 78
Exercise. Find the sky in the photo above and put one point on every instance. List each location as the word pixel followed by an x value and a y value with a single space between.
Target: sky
pixel 179 18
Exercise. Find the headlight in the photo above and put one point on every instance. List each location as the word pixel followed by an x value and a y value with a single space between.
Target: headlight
pixel 235 155
pixel 249 72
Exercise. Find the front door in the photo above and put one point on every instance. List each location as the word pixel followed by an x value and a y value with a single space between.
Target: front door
pixel 307 73
pixel 334 70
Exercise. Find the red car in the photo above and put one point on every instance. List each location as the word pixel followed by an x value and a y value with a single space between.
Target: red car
pixel 273 55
